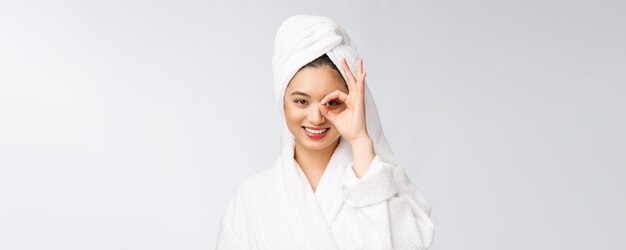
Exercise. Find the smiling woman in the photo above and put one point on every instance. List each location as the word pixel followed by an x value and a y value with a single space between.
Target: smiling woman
pixel 315 135
pixel 335 184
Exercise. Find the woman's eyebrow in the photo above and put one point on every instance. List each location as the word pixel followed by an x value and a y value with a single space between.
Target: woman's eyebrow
pixel 300 93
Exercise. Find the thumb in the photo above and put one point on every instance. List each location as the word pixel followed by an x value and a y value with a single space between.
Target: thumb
pixel 326 112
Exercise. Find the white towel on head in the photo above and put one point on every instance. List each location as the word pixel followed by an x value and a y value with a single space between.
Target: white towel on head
pixel 303 38
pixel 277 208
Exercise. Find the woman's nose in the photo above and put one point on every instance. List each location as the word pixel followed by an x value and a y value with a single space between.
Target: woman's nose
pixel 316 117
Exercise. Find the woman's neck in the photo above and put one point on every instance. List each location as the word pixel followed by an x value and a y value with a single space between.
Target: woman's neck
pixel 313 162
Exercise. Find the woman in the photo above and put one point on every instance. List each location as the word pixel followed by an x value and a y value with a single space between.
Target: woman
pixel 335 184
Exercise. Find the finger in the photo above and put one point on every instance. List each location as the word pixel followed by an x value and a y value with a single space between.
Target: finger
pixel 326 113
pixel 337 94
pixel 361 81
pixel 360 74
pixel 347 72
pixel 360 91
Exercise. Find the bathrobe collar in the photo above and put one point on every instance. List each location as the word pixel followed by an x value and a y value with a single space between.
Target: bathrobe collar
pixel 310 214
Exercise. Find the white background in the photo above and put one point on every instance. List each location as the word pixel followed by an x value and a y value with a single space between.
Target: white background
pixel 128 124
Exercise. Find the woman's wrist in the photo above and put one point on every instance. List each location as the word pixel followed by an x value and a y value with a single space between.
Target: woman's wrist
pixel 362 155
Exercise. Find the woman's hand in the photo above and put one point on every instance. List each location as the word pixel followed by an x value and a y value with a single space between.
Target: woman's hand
pixel 351 121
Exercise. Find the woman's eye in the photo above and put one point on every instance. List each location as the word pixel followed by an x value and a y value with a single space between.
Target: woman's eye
pixel 300 101
pixel 334 103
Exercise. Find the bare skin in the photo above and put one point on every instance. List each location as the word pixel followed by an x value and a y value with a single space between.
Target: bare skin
pixel 325 104
pixel 313 163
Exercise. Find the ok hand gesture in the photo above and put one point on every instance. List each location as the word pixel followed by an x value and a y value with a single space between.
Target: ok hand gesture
pixel 351 121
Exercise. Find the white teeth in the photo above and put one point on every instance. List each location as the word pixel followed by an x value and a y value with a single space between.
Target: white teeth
pixel 312 131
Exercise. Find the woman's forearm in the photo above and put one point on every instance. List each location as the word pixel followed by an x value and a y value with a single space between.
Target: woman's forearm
pixel 362 154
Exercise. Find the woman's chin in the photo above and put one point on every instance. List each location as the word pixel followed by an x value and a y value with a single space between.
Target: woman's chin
pixel 311 144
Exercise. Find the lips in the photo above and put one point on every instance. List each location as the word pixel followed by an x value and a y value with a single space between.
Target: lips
pixel 314 135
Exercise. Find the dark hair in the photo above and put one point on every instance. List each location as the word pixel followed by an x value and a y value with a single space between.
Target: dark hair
pixel 323 60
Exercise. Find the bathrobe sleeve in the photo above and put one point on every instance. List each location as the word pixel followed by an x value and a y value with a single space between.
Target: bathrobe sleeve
pixel 233 232
pixel 388 203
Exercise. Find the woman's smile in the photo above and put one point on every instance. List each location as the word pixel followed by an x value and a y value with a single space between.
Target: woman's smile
pixel 315 133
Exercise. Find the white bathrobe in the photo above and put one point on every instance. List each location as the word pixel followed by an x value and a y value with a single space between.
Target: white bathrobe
pixel 278 209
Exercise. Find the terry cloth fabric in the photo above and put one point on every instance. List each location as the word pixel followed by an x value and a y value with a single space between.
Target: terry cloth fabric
pixel 277 208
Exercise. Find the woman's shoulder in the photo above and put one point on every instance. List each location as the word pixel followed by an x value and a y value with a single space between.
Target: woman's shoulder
pixel 257 182
pixel 256 191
